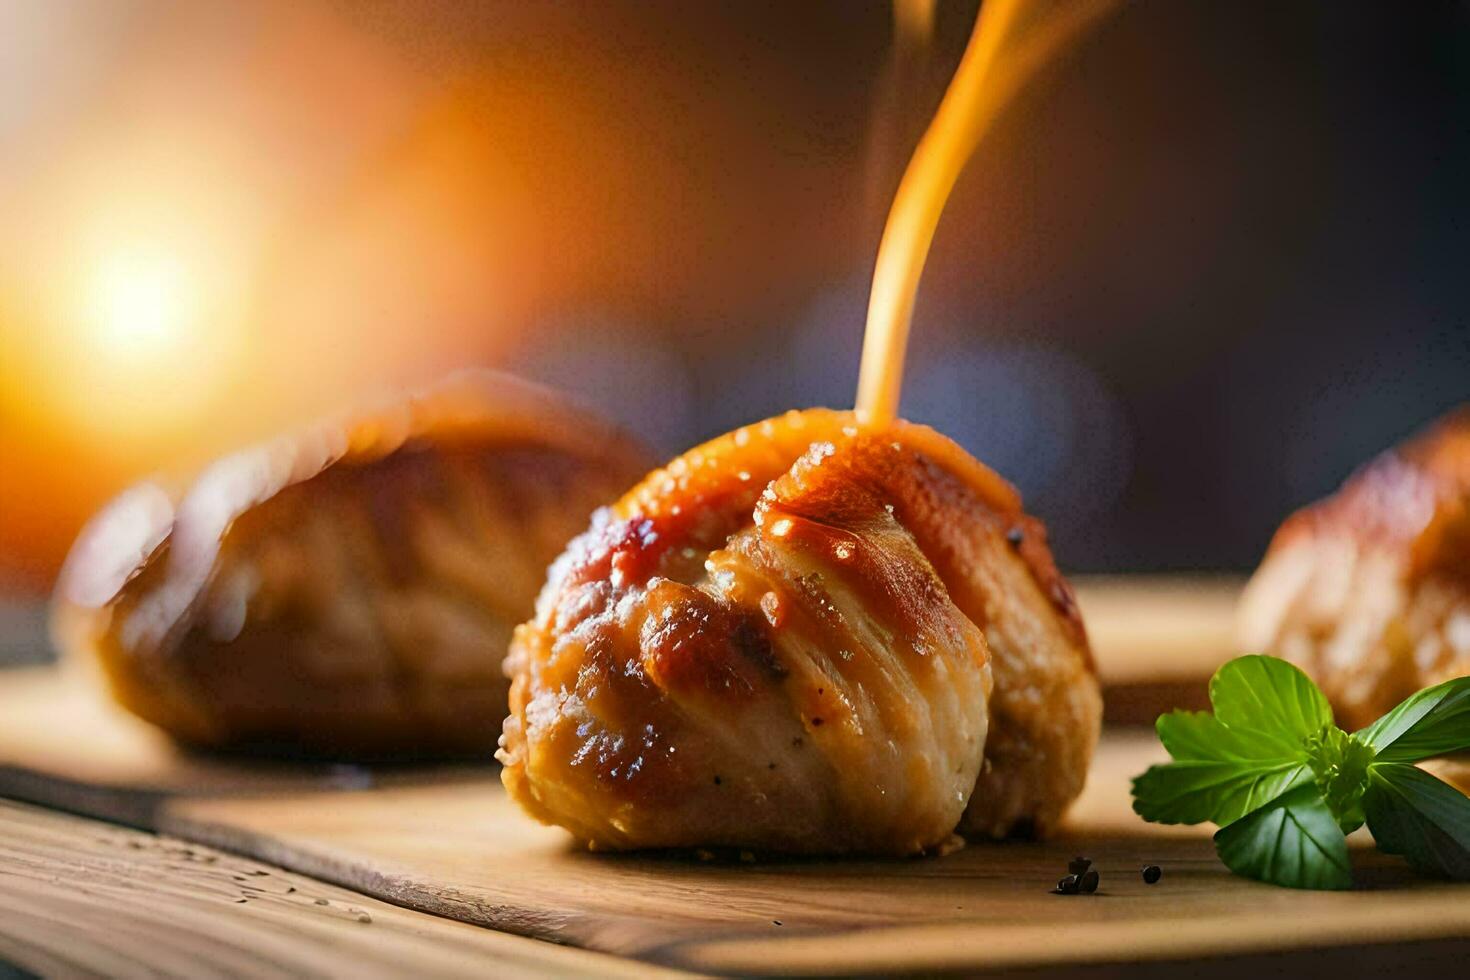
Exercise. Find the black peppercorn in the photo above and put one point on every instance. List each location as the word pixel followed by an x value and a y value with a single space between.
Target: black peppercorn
pixel 1151 874
pixel 1088 883
pixel 1015 536
pixel 1067 886
pixel 1078 865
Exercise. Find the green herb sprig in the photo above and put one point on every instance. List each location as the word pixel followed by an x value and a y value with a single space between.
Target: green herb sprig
pixel 1286 785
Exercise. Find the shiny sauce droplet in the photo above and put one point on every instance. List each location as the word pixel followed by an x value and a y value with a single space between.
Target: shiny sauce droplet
pixel 775 609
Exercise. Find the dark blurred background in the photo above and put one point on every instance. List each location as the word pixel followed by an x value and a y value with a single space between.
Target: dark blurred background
pixel 1208 262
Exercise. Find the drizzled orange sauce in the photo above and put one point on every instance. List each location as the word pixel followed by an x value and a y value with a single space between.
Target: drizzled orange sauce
pixel 1011 41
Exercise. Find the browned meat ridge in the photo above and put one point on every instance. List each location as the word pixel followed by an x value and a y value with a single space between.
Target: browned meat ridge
pixel 804 637
pixel 347 590
pixel 1368 591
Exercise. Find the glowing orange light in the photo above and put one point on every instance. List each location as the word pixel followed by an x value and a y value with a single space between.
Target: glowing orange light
pixel 140 304
pixel 141 339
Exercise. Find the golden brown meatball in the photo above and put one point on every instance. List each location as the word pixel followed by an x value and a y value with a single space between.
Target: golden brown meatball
pixel 1368 591
pixel 349 589
pixel 786 640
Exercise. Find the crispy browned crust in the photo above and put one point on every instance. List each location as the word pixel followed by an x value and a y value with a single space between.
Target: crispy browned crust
pixel 703 668
pixel 348 589
pixel 1413 498
pixel 1369 589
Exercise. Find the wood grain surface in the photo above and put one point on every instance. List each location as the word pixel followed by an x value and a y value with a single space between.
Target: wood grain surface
pixel 452 844
pixel 80 898
pixel 466 852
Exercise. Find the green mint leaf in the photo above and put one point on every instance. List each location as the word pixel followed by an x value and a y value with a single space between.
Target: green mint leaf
pixel 1197 791
pixel 1414 814
pixel 1219 774
pixel 1251 751
pixel 1293 841
pixel 1198 735
pixel 1269 696
pixel 1436 721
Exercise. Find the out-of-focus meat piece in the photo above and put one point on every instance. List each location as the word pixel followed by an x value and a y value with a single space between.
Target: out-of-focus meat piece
pixel 1368 591
pixel 786 640
pixel 347 590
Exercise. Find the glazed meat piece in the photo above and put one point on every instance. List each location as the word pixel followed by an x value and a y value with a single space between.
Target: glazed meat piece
pixel 347 590
pixel 1368 591
pixel 804 637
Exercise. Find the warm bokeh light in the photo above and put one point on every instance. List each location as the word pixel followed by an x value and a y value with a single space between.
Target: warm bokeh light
pixel 142 349
pixel 140 305
pixel 137 308
pixel 197 252
pixel 222 219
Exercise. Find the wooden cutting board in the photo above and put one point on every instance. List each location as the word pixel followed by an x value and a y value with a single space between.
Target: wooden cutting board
pixel 449 842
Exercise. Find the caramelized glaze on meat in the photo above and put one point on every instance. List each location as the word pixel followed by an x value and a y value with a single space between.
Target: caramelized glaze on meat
pixel 787 639
pixel 1369 590
pixel 349 589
